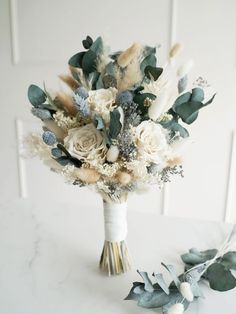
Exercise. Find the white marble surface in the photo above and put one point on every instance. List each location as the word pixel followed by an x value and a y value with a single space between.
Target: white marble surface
pixel 49 255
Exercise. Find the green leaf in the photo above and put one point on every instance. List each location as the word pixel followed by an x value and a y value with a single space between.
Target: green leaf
pixel 173 274
pixel 220 278
pixel 150 60
pixel 152 72
pixel 115 124
pixel 92 78
pixel 155 299
pixel 89 62
pixel 139 99
pixel 76 60
pixel 87 43
pixel 138 288
pixel 36 95
pixel 229 260
pixel 161 282
pixel 98 122
pixel 181 100
pixel 197 94
pixel 175 127
pixel 188 111
pixel 97 46
pixel 147 282
pixel 194 257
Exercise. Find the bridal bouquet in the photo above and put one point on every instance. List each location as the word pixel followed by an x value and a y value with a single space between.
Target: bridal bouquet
pixel 118 126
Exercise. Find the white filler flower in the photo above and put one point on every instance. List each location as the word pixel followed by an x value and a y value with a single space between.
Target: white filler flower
pixel 102 102
pixel 150 140
pixel 86 144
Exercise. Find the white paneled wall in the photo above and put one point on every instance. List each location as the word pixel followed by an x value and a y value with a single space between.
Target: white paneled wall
pixel 38 37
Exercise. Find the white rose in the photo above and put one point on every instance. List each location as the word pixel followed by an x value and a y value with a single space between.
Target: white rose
pixel 86 144
pixel 151 141
pixel 102 102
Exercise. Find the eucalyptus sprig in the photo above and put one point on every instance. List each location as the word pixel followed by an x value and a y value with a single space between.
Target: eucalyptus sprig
pixel 213 266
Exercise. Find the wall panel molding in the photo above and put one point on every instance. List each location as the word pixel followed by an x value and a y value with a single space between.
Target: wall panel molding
pixel 230 210
pixel 15 49
pixel 23 190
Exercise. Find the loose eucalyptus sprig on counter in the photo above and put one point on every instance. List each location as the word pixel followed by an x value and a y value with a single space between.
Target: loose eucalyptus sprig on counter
pixel 213 266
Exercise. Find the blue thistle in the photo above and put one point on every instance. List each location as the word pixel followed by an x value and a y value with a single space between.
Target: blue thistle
pixel 42 114
pixel 81 104
pixel 82 92
pixel 124 97
pixel 56 152
pixel 49 138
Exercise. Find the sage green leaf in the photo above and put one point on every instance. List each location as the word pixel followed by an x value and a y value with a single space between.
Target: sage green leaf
pixel 173 274
pixel 115 124
pixel 76 60
pixel 210 100
pixel 92 78
pixel 155 299
pixel 138 288
pixel 139 99
pixel 161 282
pixel 98 122
pixel 175 297
pixel 152 72
pixel 109 81
pixel 63 160
pixel 150 60
pixel 194 257
pixel 87 43
pixel 175 127
pixel 147 282
pixel 188 111
pixel 220 278
pixel 89 62
pixel 110 69
pixel 99 83
pixel 181 100
pixel 36 95
pixel 229 260
pixel 197 94
pixel 147 51
pixel 97 46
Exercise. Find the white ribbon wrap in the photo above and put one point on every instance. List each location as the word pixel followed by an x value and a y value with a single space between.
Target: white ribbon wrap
pixel 115 221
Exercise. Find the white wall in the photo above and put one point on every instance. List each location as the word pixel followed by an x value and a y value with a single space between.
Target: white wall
pixel 38 37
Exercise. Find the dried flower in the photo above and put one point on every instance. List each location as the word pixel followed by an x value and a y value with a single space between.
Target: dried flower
pixel 124 177
pixel 185 68
pixel 175 50
pixel 186 291
pixel 112 153
pixel 86 175
pixel 128 55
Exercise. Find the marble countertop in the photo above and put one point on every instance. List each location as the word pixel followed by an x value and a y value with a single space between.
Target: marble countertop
pixel 49 257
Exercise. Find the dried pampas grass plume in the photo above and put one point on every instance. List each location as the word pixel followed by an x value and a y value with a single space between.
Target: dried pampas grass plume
pixel 69 80
pixel 67 103
pixel 128 55
pixel 87 175
pixel 174 162
pixel 131 76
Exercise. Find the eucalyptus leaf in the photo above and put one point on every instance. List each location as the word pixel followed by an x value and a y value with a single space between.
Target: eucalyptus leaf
pixel 197 94
pixel 181 100
pixel 87 43
pixel 147 282
pixel 229 260
pixel 220 278
pixel 161 282
pixel 134 294
pixel 194 257
pixel 76 60
pixel 97 46
pixel 155 299
pixel 139 99
pixel 63 160
pixel 173 274
pixel 98 122
pixel 36 95
pixel 150 60
pixel 175 127
pixel 152 72
pixel 115 124
pixel 89 62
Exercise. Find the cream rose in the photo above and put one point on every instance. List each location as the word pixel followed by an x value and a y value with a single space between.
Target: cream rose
pixel 86 143
pixel 102 102
pixel 150 140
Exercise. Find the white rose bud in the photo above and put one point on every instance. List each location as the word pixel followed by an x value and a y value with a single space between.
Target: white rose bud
pixel 124 177
pixel 177 308
pixel 186 291
pixel 112 153
pixel 185 68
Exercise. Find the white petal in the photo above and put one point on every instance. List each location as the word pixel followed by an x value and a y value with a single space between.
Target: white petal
pixel 112 153
pixel 186 291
